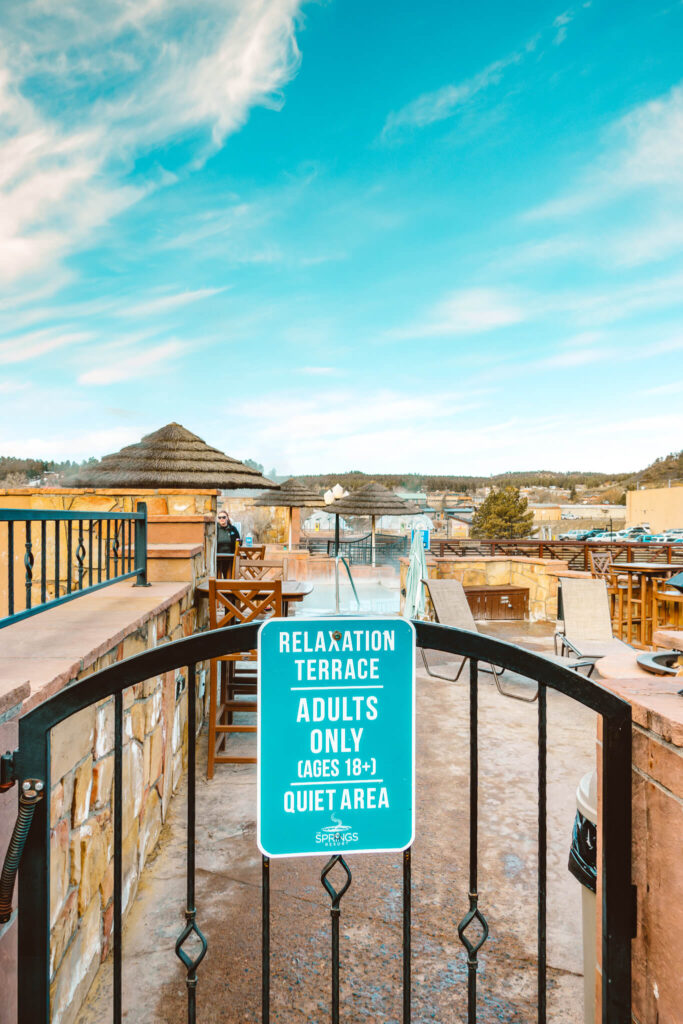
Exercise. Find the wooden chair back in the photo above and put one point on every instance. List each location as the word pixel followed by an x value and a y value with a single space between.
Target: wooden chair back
pixel 601 563
pixel 232 602
pixel 258 569
pixel 253 553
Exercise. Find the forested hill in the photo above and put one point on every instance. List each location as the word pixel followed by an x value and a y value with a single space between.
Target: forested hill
pixel 419 482
pixel 669 467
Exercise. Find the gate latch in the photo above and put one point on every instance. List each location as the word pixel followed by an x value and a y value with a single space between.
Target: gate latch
pixel 7 777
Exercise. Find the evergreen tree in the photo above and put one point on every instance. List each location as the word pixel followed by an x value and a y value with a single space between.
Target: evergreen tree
pixel 504 514
pixel 572 492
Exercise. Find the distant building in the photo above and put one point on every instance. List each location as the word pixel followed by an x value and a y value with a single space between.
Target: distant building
pixel 660 507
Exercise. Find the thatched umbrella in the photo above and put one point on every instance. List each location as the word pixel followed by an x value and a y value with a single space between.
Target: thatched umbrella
pixel 371 500
pixel 171 457
pixel 291 494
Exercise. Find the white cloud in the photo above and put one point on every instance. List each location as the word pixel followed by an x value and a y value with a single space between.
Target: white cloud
pixel 166 303
pixel 320 371
pixel 394 431
pixel 643 150
pixel 577 351
pixel 134 364
pixel 23 347
pixel 444 102
pixel 170 69
pixel 470 311
pixel 82 444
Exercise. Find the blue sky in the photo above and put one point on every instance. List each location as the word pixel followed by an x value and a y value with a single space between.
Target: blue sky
pixel 443 237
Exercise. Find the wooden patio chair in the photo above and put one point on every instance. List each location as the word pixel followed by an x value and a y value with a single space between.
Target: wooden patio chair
pixel 586 627
pixel 257 569
pixel 451 608
pixel 253 553
pixel 603 567
pixel 232 602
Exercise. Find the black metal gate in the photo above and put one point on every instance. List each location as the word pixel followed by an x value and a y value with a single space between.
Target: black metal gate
pixel 30 766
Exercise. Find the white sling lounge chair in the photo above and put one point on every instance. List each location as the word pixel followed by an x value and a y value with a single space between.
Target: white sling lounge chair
pixel 451 608
pixel 585 626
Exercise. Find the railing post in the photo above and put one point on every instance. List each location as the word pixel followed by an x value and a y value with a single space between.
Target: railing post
pixel 141 546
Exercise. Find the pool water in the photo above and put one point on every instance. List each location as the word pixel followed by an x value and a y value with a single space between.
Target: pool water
pixel 375 597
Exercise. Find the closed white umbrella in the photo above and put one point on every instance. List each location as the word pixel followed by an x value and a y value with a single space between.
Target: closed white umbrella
pixel 414 605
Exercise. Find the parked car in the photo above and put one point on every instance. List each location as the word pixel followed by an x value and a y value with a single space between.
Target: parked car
pixel 572 535
pixel 603 537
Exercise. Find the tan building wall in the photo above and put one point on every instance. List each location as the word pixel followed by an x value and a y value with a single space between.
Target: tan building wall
pixel 456 529
pixel 546 513
pixel 661 507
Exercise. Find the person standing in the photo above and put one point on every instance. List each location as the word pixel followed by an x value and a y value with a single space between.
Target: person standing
pixel 227 535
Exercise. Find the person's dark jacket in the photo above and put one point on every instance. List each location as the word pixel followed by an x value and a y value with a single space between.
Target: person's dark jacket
pixel 227 538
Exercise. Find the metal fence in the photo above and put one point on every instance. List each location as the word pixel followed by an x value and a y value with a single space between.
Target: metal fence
pixel 358 551
pixel 54 557
pixel 29 766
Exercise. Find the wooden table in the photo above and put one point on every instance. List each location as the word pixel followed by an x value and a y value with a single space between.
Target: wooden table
pixel 641 574
pixel 292 591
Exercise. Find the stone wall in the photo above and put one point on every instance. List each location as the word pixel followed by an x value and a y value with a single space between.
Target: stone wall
pixel 657 872
pixel 81 806
pixel 538 575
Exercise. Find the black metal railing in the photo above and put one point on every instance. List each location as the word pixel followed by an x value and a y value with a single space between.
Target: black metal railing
pixel 66 554
pixel 358 550
pixel 31 765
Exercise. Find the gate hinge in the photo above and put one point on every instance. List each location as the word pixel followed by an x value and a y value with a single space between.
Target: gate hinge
pixel 7 771
pixel 634 911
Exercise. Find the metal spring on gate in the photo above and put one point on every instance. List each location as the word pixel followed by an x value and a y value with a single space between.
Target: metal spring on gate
pixel 27 804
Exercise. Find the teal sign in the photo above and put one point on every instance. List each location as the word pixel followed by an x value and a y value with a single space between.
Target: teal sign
pixel 336 736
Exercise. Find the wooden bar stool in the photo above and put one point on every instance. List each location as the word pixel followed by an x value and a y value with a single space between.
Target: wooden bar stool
pixel 232 602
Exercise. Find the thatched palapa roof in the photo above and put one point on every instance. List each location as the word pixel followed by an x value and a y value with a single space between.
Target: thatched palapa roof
pixel 171 457
pixel 292 494
pixel 373 500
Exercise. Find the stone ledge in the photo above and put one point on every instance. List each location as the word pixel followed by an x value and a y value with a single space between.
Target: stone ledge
pixel 174 550
pixel 669 639
pixel 46 651
pixel 655 703
pixel 205 517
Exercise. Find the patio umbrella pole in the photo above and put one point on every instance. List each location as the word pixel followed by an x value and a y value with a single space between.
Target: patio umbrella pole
pixel 289 544
pixel 373 542
pixel 336 564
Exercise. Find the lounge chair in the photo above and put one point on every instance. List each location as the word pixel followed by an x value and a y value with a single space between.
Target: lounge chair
pixel 451 608
pixel 585 625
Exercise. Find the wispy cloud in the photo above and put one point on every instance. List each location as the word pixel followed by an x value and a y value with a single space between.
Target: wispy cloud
pixel 170 69
pixel 643 150
pixel 139 362
pixel 23 347
pixel 580 350
pixel 470 311
pixel 443 103
pixel 167 303
pixel 320 371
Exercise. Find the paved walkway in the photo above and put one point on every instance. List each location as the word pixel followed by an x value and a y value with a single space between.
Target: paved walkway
pixel 229 872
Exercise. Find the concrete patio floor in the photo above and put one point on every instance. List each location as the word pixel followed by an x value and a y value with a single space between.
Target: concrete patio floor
pixel 229 877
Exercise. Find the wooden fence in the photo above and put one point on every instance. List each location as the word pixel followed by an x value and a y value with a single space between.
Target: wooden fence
pixel 575 553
